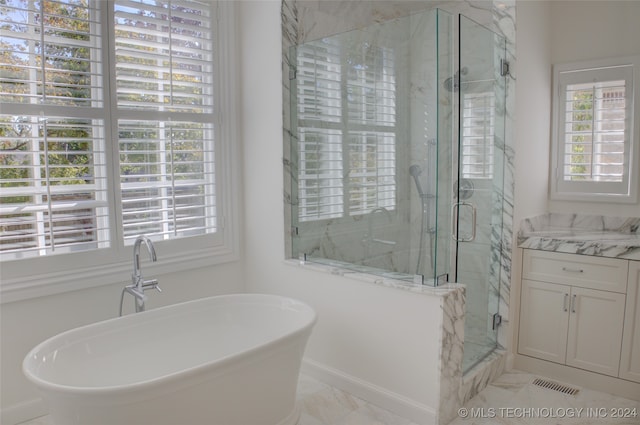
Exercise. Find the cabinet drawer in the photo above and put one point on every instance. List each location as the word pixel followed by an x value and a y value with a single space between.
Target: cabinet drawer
pixel 607 274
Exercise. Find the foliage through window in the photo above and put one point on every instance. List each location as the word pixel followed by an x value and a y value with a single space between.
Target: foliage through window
pixel 594 133
pixel 59 119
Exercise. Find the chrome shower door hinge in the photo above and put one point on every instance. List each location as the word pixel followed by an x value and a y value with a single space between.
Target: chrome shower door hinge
pixel 504 68
pixel 497 321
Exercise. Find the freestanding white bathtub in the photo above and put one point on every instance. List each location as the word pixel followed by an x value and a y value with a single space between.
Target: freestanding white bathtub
pixel 224 360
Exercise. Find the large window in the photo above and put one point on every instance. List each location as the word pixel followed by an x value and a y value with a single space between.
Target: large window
pixel 52 129
pixel 346 129
pixel 595 133
pixel 110 124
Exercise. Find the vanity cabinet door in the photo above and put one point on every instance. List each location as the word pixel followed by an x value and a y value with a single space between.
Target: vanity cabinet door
pixel 544 320
pixel 595 330
pixel 630 361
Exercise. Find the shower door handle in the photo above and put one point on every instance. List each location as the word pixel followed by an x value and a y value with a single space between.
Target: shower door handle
pixel 455 210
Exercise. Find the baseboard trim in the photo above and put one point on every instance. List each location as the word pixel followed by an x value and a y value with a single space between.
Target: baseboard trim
pixel 23 412
pixel 379 396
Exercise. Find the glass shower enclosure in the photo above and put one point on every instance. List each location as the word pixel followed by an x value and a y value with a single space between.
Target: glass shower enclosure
pixel 481 133
pixel 393 160
pixel 371 131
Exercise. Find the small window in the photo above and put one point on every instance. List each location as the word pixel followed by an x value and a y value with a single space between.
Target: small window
pixel 595 141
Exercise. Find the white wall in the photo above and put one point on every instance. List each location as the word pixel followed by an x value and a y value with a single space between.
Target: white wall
pixel 533 108
pixel 365 332
pixel 24 324
pixel 533 115
pixel 583 30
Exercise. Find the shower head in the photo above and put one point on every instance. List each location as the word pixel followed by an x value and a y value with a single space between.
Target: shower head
pixel 415 172
pixel 452 84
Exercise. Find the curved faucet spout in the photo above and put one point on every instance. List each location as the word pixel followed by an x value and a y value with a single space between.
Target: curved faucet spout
pixel 139 285
pixel 137 273
pixel 148 243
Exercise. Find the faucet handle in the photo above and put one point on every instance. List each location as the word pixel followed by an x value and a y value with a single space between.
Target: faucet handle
pixel 139 295
pixel 151 284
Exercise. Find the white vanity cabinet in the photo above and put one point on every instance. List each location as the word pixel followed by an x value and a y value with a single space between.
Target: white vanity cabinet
pixel 630 361
pixel 572 310
pixel 544 320
pixel 595 330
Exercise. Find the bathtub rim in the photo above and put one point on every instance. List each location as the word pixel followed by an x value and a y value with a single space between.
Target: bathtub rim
pixel 222 365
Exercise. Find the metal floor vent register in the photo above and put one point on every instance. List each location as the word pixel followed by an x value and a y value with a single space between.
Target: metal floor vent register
pixel 550 385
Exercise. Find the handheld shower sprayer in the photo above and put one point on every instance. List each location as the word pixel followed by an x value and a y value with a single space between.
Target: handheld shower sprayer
pixel 425 215
pixel 415 172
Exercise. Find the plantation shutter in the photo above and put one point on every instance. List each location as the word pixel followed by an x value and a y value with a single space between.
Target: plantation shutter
pixel 478 122
pixel 595 110
pixel 320 178
pixel 346 122
pixel 164 83
pixel 53 193
pixel 371 99
pixel 372 171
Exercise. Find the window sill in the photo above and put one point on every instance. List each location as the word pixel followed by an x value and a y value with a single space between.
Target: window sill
pixel 611 198
pixel 39 285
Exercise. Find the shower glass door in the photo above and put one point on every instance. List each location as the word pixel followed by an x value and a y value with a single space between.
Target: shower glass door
pixel 481 112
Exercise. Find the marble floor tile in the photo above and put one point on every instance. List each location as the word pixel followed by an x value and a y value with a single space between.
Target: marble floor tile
pixel 513 381
pixel 491 396
pixel 369 414
pixel 511 399
pixel 330 405
pixel 44 420
pixel 322 404
pixel 308 386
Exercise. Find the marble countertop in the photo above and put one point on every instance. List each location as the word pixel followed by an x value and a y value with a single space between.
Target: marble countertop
pixel 585 235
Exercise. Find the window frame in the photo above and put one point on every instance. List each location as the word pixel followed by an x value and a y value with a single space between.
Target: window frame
pixel 51 274
pixel 623 192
